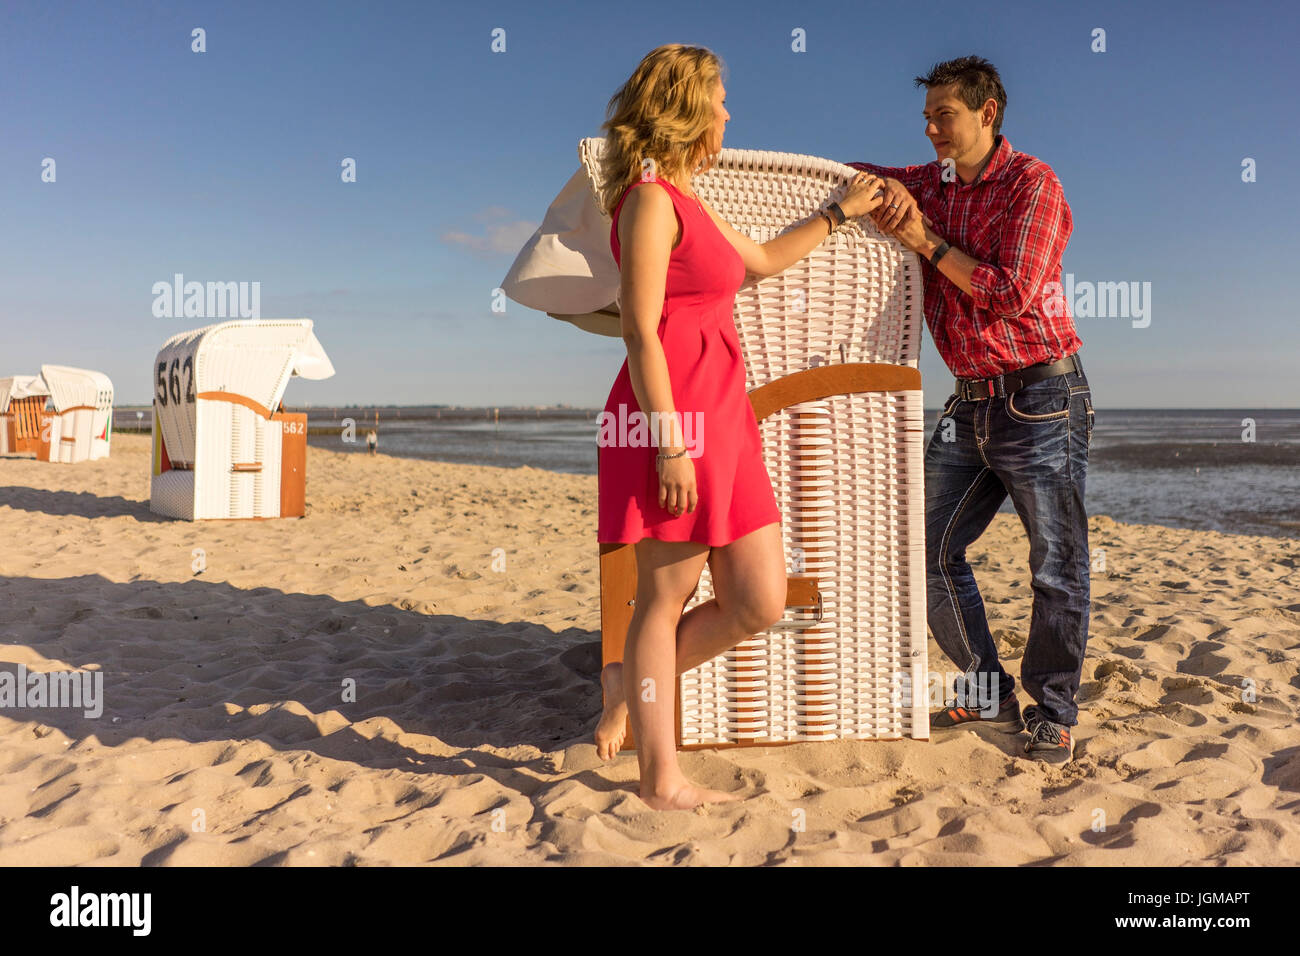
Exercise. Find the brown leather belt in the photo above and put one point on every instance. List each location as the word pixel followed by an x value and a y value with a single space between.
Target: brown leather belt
pixel 982 389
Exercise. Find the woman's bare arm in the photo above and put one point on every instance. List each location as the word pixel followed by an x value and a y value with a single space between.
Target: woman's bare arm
pixel 769 258
pixel 776 255
pixel 647 227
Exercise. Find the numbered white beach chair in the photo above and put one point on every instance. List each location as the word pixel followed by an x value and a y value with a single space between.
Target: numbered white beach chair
pixel 221 447
pixel 81 425
pixel 22 405
pixel 830 348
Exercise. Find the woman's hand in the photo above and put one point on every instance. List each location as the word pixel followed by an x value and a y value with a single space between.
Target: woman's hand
pixel 863 196
pixel 677 483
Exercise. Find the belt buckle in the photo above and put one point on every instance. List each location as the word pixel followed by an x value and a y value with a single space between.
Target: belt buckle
pixel 968 390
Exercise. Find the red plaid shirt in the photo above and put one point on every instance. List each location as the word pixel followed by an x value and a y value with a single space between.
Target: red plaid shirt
pixel 1013 220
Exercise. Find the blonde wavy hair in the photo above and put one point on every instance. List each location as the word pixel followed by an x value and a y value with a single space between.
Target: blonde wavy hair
pixel 664 112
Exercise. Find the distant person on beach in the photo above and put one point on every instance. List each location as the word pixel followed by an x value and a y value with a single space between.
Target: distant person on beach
pixel 372 441
pixel 991 224
pixel 680 266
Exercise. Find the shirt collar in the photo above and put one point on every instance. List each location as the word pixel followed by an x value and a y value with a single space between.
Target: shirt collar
pixel 998 162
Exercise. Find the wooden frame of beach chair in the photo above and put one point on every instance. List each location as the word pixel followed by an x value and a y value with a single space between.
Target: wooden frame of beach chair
pixel 843 445
pixel 26 421
pixel 22 403
pixel 80 428
pixel 221 449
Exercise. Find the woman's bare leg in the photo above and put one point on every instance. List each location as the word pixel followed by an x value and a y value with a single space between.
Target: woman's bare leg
pixel 749 584
pixel 666 574
pixel 749 576
pixel 749 579
pixel 612 728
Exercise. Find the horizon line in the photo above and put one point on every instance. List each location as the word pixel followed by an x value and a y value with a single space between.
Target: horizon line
pixel 134 406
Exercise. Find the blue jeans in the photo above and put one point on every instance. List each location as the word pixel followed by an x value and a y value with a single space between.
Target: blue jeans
pixel 1033 445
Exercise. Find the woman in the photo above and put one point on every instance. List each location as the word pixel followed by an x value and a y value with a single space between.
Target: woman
pixel 694 488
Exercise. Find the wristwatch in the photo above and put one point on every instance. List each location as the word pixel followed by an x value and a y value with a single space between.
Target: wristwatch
pixel 939 253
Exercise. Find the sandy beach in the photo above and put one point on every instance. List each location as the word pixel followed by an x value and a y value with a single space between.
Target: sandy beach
pixel 462 604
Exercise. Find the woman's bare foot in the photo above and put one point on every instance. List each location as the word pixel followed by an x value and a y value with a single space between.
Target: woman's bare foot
pixel 613 719
pixel 684 797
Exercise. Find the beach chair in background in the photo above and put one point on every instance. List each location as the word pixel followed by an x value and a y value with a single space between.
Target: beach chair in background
pixel 830 349
pixel 79 424
pixel 22 403
pixel 221 447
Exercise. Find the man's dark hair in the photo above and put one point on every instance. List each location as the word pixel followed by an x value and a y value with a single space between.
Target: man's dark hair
pixel 977 81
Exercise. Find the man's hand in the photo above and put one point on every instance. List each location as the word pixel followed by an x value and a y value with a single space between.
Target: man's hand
pixel 914 233
pixel 895 205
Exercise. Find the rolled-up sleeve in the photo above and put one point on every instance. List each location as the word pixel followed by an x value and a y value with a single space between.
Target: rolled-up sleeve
pixel 1032 239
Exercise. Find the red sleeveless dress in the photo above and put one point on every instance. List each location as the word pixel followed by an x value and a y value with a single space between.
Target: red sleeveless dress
pixel 707 373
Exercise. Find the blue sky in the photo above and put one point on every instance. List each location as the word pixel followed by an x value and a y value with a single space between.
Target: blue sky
pixel 225 166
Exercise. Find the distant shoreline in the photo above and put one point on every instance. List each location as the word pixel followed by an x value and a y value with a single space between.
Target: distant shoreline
pixel 533 411
pixel 1232 470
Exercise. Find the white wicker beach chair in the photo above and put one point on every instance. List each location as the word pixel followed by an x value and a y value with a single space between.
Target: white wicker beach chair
pixel 220 447
pixel 81 428
pixel 830 348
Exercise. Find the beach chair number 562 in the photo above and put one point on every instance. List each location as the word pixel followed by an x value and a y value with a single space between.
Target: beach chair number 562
pixel 172 382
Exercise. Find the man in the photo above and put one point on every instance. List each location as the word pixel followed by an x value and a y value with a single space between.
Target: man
pixel 991 224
